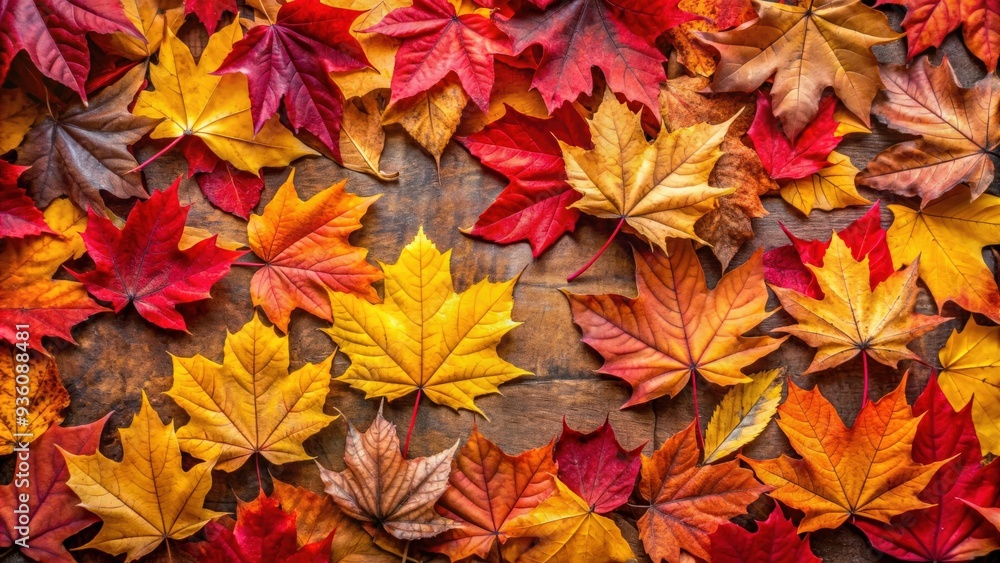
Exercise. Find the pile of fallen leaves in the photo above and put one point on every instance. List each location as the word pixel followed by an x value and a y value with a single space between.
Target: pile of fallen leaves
pixel 670 119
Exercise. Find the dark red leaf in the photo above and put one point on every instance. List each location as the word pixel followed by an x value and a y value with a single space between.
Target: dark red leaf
pixel 209 12
pixel 227 187
pixel 18 215
pixel 776 539
pixel 791 159
pixel 596 467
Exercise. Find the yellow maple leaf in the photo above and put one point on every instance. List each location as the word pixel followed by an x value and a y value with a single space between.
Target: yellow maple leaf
pixel 192 101
pixel 425 336
pixel 970 363
pixel 17 114
pixel 46 397
pixel 743 413
pixel 568 530
pixel 250 404
pixel 152 19
pixel 145 498
pixel 830 188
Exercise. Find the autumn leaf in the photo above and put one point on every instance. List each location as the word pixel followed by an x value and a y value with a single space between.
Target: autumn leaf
pixel 852 317
pixel 190 100
pixel 832 187
pixel 362 138
pixel 687 502
pixel 489 488
pixel 596 467
pixel 382 487
pixel 743 414
pixel 29 295
pixel 569 530
pixel 379 49
pixel 534 206
pixel 224 185
pixel 949 236
pixel 306 252
pixel 661 189
pixel 18 113
pixel 52 506
pixel 959 131
pixel 431 118
pixel 715 15
pixel 250 404
pixel 674 299
pixel 46 397
pixel 290 61
pixel 797 157
pixel 84 150
pixel 152 18
pixel 774 540
pixel 862 471
pixel 438 41
pixel 805 48
pixel 950 530
pixel 576 36
pixel 209 12
pixel 19 217
pixel 425 337
pixel 263 532
pixel 145 498
pixel 928 22
pixel 971 374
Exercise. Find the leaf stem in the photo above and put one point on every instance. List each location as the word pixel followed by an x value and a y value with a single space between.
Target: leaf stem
pixel 864 392
pixel 576 274
pixel 250 264
pixel 413 421
pixel 159 154
pixel 697 414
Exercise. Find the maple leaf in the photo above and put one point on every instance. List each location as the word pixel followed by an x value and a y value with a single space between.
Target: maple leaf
pixel 250 404
pixel 152 20
pixel 362 138
pixel 928 22
pixel 793 158
pixel 145 498
pixel 84 150
pixel 578 35
pixel 209 12
pixel 263 532
pixel 785 266
pixel 55 515
pixel 224 185
pixel 381 486
pixel 774 540
pixel 715 15
pixel 190 100
pixel 959 130
pixel 832 187
pixel 862 471
pixel 687 502
pixel 674 299
pixel 18 113
pixel 852 317
pixel 19 217
pixel 596 467
pixel 743 414
pixel 805 48
pixel 45 395
pixel 569 530
pixel 438 41
pixel 29 295
pixel 432 117
pixel 948 236
pixel 534 206
pixel 683 103
pixel 141 263
pixel 950 530
pixel 971 374
pixel 379 49
pixel 54 35
pixel 659 189
pixel 425 337
pixel 291 60
pixel 306 252
pixel 489 488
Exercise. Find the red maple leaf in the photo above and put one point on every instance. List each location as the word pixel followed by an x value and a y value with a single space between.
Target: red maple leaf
pixel 612 35
pixel 535 204
pixel 791 159
pixel 54 35
pixel 928 22
pixel 776 539
pixel 209 12
pixel 784 266
pixel 437 42
pixel 53 507
pixel 596 467
pixel 951 530
pixel 227 187
pixel 292 59
pixel 18 215
pixel 141 263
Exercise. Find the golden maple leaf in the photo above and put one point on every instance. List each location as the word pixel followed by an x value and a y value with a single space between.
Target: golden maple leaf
pixel 191 100
pixel 660 189
pixel 18 113
pixel 46 396
pixel 852 317
pixel 432 117
pixel 250 404
pixel 830 188
pixel 152 18
pixel 970 371
pixel 147 497
pixel 865 470
pixel 380 49
pixel 569 530
pixel 805 48
pixel 425 336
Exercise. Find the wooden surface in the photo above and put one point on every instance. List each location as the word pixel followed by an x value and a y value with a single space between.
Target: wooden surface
pixel 120 356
